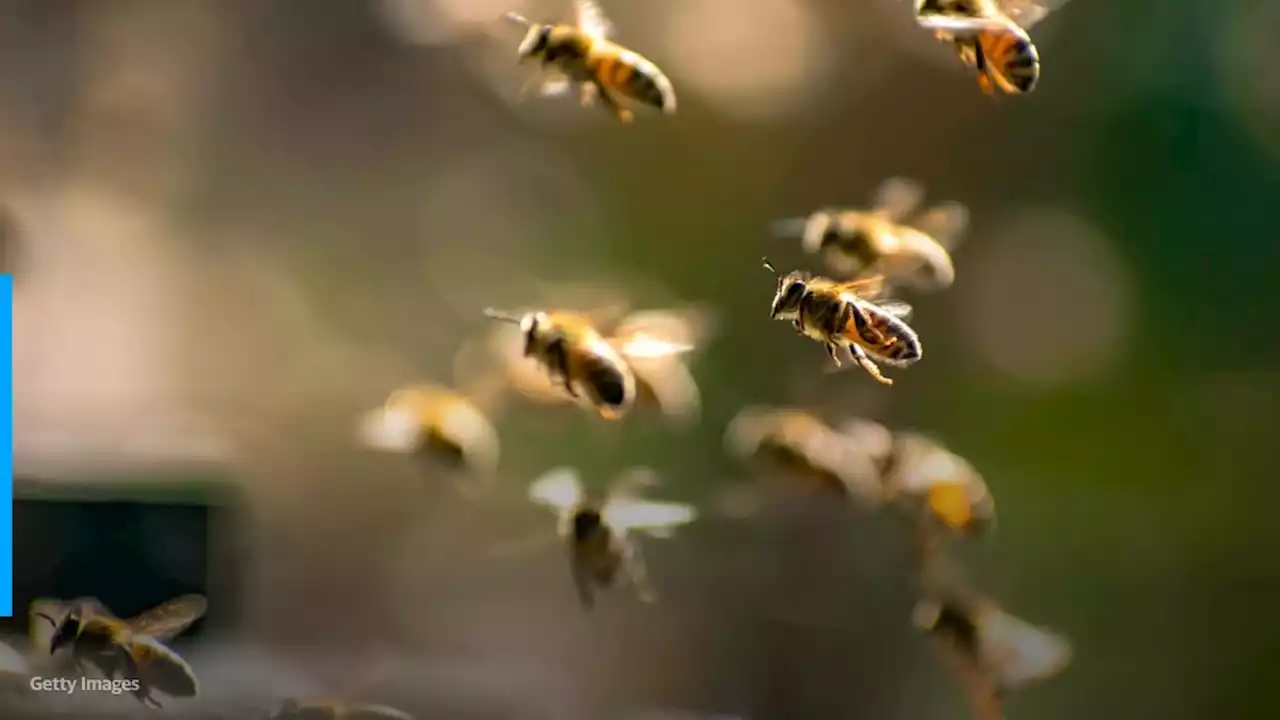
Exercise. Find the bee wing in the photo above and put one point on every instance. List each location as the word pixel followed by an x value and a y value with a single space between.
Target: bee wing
pixel 375 712
pixel 671 385
pixel 559 489
pixel 897 197
pixel 864 288
pixel 944 222
pixel 592 20
pixel 1027 13
pixel 161 668
pixel 1017 653
pixel 554 86
pixel 897 308
pixel 683 328
pixel 171 618
pixel 658 519
pixel 958 25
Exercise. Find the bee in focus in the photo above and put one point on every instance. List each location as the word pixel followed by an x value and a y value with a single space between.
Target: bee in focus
pixel 842 316
pixel 130 649
pixel 599 534
pixel 800 444
pixel 881 241
pixel 937 486
pixel 991 652
pixel 582 55
pixel 602 373
pixel 324 709
pixel 991 37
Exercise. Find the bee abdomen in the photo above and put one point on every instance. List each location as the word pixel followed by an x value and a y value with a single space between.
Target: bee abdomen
pixel 1019 61
pixel 608 382
pixel 638 79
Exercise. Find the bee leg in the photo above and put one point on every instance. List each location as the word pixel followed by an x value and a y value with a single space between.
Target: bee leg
pixel 559 358
pixel 588 94
pixel 872 369
pixel 834 351
pixel 637 572
pixel 582 583
pixel 612 103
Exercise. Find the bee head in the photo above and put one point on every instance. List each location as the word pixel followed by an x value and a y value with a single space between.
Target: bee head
pixel 791 289
pixel 535 42
pixel 532 325
pixel 64 632
pixel 586 522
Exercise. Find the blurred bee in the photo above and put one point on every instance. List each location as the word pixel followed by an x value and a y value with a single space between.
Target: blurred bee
pixel 601 373
pixel 442 427
pixel 599 534
pixel 936 485
pixel 583 55
pixel 130 649
pixel 990 37
pixel 991 652
pixel 881 242
pixel 802 445
pixel 323 709
pixel 841 316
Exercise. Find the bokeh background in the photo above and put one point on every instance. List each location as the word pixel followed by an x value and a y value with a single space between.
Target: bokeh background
pixel 233 225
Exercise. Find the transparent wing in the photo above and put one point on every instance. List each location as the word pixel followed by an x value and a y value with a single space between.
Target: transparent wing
pixel 1019 653
pixel 162 669
pixel 682 328
pixel 658 519
pixel 897 197
pixel 555 86
pixel 559 489
pixel 592 20
pixel 897 308
pixel 171 618
pixel 670 384
pixel 944 222
pixel 1027 13
pixel 865 288
pixel 375 712
pixel 955 25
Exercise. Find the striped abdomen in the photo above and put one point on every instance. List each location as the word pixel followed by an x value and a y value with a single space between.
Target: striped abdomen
pixel 883 335
pixel 631 75
pixel 1010 58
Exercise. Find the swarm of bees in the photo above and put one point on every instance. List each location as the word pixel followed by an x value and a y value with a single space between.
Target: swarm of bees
pixel 609 362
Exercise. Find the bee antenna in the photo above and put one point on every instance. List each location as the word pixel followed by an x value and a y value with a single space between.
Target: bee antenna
pixel 52 622
pixel 502 316
pixel 769 266
pixel 518 19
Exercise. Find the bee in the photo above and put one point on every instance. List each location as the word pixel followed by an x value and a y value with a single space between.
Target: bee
pixel 582 54
pixel 599 533
pixel 806 447
pixel 841 316
pixel 130 648
pixel 881 241
pixel 936 485
pixel 991 37
pixel 443 427
pixel 599 372
pixel 990 651
pixel 324 709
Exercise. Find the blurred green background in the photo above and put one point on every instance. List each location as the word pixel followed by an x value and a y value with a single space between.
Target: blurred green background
pixel 237 224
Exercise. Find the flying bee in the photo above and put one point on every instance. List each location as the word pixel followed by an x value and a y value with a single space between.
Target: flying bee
pixel 991 652
pixel 130 648
pixel 939 486
pixel 599 372
pixel 599 534
pixel 799 443
pixel 991 37
pixel 324 709
pixel 881 241
pixel 582 54
pixel 445 428
pixel 841 316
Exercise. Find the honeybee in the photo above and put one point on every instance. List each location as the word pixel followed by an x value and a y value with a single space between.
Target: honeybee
pixel 841 316
pixel 803 445
pixel 599 533
pixel 991 652
pixel 599 372
pixel 937 485
pixel 582 54
pixel 991 37
pixel 130 648
pixel 881 241
pixel 443 427
pixel 324 709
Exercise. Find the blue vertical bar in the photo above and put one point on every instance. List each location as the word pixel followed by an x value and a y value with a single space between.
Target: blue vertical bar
pixel 6 446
